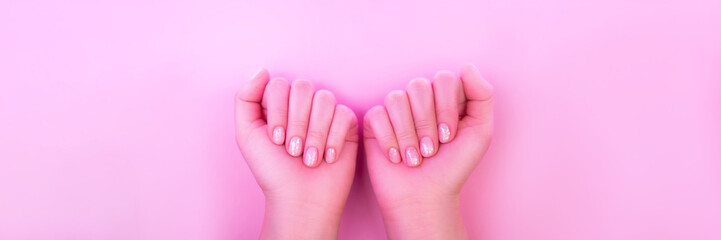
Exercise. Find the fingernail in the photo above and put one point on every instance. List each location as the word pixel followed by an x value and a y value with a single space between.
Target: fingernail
pixel 257 73
pixel 310 158
pixel 444 132
pixel 426 146
pixel 278 135
pixel 295 146
pixel 330 155
pixel 413 158
pixel 394 155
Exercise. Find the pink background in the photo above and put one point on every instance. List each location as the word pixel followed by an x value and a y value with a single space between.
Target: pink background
pixel 116 117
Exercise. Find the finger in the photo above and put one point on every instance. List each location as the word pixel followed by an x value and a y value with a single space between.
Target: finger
pixel 321 116
pixel 276 99
pixel 299 106
pixel 446 87
pixel 479 94
pixel 420 95
pixel 343 128
pixel 377 125
pixel 399 111
pixel 248 112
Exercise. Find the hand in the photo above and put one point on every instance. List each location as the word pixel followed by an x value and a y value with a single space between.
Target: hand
pixel 276 123
pixel 440 130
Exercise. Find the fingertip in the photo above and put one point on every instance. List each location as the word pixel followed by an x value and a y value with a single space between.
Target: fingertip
pixel 444 133
pixel 330 155
pixel 310 158
pixel 278 135
pixel 295 146
pixel 413 158
pixel 393 155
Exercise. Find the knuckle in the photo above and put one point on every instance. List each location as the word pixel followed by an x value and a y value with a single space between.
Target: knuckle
pixel 278 83
pixel 396 96
pixel 345 112
pixel 425 124
pixel 387 138
pixel 297 124
pixel 302 84
pixel 372 113
pixel 407 136
pixel 316 134
pixel 277 115
pixel 445 78
pixel 418 85
pixel 446 112
pixel 324 96
pixel 445 75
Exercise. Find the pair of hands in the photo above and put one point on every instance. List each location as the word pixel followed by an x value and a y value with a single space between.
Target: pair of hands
pixel 301 145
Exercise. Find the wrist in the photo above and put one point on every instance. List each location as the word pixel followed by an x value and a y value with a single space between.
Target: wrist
pixel 419 218
pixel 298 219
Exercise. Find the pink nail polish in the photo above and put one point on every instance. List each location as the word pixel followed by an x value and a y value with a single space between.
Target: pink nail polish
pixel 278 135
pixel 330 155
pixel 444 132
pixel 295 146
pixel 310 158
pixel 394 155
pixel 426 147
pixel 412 156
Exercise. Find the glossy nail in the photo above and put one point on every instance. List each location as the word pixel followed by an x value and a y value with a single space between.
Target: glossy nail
pixel 412 156
pixel 310 158
pixel 444 132
pixel 426 147
pixel 330 155
pixel 278 135
pixel 295 146
pixel 394 155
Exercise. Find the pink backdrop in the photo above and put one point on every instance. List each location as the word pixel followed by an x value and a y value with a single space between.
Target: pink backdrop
pixel 116 117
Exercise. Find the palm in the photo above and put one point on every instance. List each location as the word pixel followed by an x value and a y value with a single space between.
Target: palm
pixel 280 174
pixel 467 102
pixel 440 175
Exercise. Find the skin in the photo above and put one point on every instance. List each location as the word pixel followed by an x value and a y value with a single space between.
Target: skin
pixel 421 146
pixel 304 198
pixel 422 201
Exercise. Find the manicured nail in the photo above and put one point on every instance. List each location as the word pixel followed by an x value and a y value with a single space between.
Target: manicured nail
pixel 310 158
pixel 278 135
pixel 394 155
pixel 257 73
pixel 330 155
pixel 413 158
pixel 444 132
pixel 295 146
pixel 426 146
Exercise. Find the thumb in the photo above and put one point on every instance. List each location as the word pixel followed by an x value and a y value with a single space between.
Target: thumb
pixel 479 100
pixel 248 111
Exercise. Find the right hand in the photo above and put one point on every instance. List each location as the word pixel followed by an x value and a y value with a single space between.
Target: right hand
pixel 452 120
